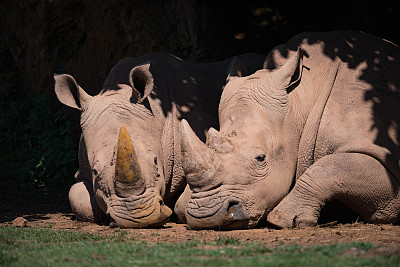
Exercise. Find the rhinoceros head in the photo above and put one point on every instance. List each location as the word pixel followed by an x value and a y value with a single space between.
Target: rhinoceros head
pixel 120 148
pixel 246 168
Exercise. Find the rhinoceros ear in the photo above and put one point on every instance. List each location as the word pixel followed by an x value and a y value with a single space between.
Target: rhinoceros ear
pixel 142 81
pixel 236 69
pixel 291 71
pixel 69 92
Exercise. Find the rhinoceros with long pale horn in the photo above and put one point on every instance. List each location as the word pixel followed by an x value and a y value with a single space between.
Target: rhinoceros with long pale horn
pixel 319 124
pixel 130 162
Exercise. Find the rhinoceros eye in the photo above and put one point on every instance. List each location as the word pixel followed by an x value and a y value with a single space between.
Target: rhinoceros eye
pixel 260 158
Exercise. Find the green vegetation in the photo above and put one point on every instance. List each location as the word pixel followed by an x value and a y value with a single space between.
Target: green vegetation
pixel 47 247
pixel 37 142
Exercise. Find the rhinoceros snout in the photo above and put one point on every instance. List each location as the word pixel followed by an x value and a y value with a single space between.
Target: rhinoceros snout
pixel 230 215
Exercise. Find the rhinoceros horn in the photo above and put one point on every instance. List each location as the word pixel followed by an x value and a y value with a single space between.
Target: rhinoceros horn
pixel 218 142
pixel 198 157
pixel 127 171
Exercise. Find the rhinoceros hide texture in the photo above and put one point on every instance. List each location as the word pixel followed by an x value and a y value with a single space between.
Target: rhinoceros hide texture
pixel 130 161
pixel 319 124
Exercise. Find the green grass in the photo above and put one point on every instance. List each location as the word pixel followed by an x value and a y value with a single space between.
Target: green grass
pixel 47 247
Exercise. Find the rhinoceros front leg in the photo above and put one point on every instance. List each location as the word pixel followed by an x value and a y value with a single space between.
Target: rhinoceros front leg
pixel 83 203
pixel 181 204
pixel 357 180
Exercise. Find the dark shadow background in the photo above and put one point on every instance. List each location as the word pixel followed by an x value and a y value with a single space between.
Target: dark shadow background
pixel 87 38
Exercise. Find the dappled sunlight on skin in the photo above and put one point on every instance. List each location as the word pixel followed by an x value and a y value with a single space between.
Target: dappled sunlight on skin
pixel 330 102
pixel 379 70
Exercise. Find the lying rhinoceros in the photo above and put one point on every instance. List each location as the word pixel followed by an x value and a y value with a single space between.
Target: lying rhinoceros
pixel 320 123
pixel 130 159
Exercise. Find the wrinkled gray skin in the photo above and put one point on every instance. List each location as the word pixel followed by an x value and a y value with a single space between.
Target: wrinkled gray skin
pixel 130 161
pixel 318 124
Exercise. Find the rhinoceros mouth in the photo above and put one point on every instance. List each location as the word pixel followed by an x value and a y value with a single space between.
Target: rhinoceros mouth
pixel 206 204
pixel 216 209
pixel 147 210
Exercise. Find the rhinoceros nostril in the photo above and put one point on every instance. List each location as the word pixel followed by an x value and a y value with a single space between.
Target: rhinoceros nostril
pixel 232 207
pixel 235 211
pixel 235 216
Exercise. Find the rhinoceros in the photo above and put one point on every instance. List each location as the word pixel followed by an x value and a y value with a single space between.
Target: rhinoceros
pixel 319 124
pixel 130 163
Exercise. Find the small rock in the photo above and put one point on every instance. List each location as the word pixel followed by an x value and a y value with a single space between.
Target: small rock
pixel 20 222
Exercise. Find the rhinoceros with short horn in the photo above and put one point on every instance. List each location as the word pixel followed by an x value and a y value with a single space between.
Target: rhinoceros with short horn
pixel 319 124
pixel 130 163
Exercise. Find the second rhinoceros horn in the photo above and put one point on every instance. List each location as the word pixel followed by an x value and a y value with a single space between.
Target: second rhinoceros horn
pixel 127 169
pixel 198 157
pixel 218 142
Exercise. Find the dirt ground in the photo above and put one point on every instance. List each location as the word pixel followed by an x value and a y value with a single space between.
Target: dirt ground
pixel 22 210
pixel 387 236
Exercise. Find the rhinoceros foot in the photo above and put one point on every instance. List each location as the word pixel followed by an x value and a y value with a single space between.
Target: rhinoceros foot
pixel 289 214
pixel 82 201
